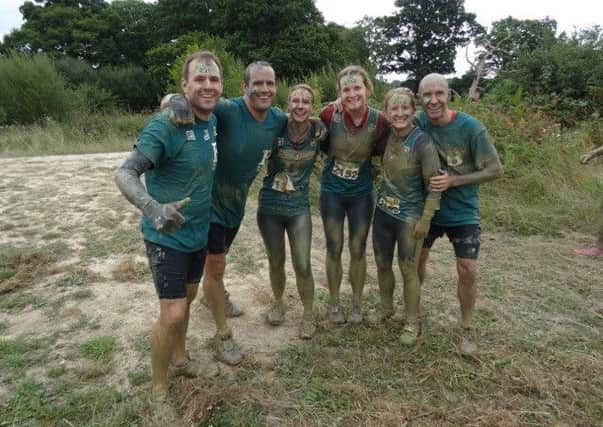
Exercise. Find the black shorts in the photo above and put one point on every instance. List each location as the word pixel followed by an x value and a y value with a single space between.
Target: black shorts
pixel 220 238
pixel 464 239
pixel 173 270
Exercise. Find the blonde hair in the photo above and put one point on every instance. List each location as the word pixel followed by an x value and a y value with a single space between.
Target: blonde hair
pixel 301 86
pixel 355 70
pixel 399 91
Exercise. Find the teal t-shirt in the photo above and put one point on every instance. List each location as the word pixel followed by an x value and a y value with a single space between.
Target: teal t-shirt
pixel 244 144
pixel 347 171
pixel 285 190
pixel 184 159
pixel 408 165
pixel 464 146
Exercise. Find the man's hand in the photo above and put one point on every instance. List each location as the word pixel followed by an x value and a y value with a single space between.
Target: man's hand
pixel 180 111
pixel 441 182
pixel 166 217
pixel 338 105
pixel 585 158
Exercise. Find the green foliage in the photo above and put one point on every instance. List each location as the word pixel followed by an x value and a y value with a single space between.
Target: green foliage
pixel 421 37
pixel 32 90
pixel 132 85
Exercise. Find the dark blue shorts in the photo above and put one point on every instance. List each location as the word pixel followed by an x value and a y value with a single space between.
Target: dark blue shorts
pixel 173 270
pixel 220 238
pixel 464 239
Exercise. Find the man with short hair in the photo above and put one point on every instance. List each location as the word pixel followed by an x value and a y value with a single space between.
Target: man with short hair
pixel 178 162
pixel 469 159
pixel 247 127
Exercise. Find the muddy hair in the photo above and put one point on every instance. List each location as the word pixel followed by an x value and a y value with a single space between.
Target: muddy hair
pixel 254 65
pixel 400 91
pixel 200 56
pixel 355 70
pixel 302 86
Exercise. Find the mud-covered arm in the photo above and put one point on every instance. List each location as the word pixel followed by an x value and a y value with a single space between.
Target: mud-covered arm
pixel 585 158
pixel 430 166
pixel 165 217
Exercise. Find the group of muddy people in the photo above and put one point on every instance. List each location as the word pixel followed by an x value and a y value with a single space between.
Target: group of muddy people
pixel 201 153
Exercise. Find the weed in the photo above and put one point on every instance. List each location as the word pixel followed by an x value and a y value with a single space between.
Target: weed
pixel 98 349
pixel 139 377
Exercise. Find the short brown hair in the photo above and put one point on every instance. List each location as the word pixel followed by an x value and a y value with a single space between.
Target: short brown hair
pixel 399 91
pixel 198 56
pixel 358 70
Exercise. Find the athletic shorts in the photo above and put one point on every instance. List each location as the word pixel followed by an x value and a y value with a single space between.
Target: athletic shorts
pixel 220 238
pixel 464 239
pixel 173 270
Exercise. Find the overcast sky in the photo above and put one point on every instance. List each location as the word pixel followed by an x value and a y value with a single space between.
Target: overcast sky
pixel 568 14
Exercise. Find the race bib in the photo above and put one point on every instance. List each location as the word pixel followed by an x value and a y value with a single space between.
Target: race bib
pixel 390 203
pixel 346 170
pixel 282 182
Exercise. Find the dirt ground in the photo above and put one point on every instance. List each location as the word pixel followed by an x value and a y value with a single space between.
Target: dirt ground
pixel 70 204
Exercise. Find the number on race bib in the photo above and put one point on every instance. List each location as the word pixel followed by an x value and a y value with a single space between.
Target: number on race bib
pixel 346 170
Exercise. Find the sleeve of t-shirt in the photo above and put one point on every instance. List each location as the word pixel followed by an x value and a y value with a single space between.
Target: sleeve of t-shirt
pixel 482 148
pixel 383 130
pixel 326 115
pixel 224 107
pixel 152 140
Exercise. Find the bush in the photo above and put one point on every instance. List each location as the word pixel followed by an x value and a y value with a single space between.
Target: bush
pixel 31 90
pixel 132 86
pixel 95 99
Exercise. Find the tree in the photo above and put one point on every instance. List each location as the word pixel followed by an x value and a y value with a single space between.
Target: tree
pixel 421 37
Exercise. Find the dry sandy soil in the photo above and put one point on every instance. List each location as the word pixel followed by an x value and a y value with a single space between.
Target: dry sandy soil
pixel 71 203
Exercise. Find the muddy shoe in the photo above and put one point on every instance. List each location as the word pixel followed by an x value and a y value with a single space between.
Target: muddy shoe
pixel 386 314
pixel 307 329
pixel 336 315
pixel 194 369
pixel 355 316
pixel 468 342
pixel 227 350
pixel 409 334
pixel 276 315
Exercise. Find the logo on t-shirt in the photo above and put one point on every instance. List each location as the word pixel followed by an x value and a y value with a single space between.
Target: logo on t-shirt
pixel 190 135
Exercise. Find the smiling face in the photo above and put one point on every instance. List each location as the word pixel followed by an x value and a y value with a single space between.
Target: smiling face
pixel 203 86
pixel 261 89
pixel 434 96
pixel 353 92
pixel 300 105
pixel 400 111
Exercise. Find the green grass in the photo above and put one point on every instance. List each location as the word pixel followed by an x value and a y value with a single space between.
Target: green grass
pixel 81 134
pixel 99 349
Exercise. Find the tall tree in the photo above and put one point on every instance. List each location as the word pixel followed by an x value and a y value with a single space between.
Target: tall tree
pixel 421 37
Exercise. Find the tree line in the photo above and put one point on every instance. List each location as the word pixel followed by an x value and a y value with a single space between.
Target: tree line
pixel 130 48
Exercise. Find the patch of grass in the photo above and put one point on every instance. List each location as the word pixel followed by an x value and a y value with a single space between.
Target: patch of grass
pixel 120 241
pixel 19 300
pixel 3 326
pixel 244 261
pixel 99 349
pixel 241 414
pixel 139 377
pixel 129 270
pixel 81 294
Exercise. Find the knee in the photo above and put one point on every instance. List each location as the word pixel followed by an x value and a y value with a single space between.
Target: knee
pixel 408 268
pixel 215 264
pixel 173 316
pixel 467 268
pixel 276 261
pixel 357 250
pixel 303 271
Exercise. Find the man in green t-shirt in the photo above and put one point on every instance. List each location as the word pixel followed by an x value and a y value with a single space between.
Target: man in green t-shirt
pixel 468 159
pixel 178 161
pixel 596 250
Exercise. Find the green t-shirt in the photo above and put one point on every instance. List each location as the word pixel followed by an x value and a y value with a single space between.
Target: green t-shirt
pixel 408 165
pixel 184 160
pixel 347 171
pixel 464 146
pixel 243 146
pixel 285 190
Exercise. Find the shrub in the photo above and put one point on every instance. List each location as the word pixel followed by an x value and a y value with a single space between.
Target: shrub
pixel 31 89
